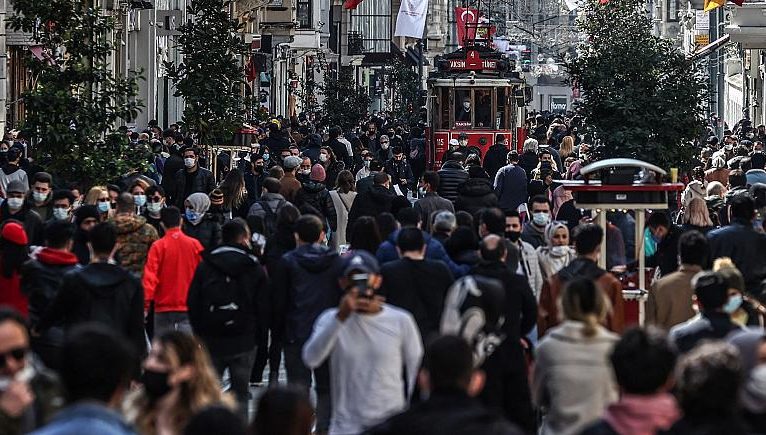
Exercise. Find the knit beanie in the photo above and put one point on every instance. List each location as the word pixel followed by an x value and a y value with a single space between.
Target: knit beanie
pixel 14 233
pixel 216 197
pixel 317 173
pixel 85 212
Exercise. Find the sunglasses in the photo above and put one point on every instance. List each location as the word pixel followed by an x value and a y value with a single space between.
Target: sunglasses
pixel 103 200
pixel 18 354
pixel 155 199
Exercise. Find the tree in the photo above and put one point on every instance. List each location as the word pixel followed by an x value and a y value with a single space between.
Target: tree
pixel 76 101
pixel 402 80
pixel 345 104
pixel 211 78
pixel 642 98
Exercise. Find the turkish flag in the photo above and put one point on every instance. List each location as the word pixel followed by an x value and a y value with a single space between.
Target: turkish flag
pixel 464 16
pixel 351 4
pixel 251 71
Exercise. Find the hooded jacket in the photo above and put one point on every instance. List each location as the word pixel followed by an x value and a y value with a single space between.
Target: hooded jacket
pixel 637 415
pixel 314 194
pixel 134 237
pixel 41 279
pixel 169 271
pixel 233 261
pixel 474 195
pixel 369 203
pixel 103 293
pixel 305 283
pixel 434 251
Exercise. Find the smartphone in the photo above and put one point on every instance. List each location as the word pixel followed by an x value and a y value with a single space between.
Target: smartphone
pixel 359 280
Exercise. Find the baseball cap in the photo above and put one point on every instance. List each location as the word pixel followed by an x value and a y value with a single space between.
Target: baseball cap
pixel 361 261
pixel 453 142
pixel 17 186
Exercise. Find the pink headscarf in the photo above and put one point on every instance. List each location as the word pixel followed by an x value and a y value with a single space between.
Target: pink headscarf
pixel 560 196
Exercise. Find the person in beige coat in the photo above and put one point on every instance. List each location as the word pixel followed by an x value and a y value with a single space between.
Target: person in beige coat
pixel 670 298
pixel 573 381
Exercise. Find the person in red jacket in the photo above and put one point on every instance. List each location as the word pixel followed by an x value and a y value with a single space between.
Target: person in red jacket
pixel 168 273
pixel 13 253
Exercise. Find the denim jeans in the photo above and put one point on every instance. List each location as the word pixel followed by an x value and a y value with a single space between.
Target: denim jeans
pixel 239 367
pixel 300 376
pixel 171 321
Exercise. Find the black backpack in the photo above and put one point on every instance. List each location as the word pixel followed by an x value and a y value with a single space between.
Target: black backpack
pixel 270 217
pixel 228 308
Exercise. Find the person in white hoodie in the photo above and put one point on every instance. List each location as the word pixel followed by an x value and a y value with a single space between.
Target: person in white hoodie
pixel 573 381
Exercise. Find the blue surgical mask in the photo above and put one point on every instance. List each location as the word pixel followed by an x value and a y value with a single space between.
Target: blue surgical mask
pixel 154 207
pixel 140 200
pixel 60 213
pixel 541 219
pixel 103 207
pixel 265 156
pixel 15 203
pixel 39 197
pixel 733 303
pixel 191 215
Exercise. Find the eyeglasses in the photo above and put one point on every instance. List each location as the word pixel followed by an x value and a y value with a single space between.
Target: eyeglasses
pixel 18 354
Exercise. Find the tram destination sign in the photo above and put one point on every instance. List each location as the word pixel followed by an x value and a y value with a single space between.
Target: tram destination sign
pixel 472 62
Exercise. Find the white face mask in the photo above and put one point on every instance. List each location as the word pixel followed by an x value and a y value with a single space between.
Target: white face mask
pixel 559 251
pixel 39 197
pixel 541 219
pixel 15 203
pixel 323 157
pixel 189 162
pixel 467 105
pixel 60 213
pixel 154 207
pixel 384 146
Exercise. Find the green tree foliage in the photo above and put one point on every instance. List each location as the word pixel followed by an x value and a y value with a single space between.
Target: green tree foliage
pixel 642 98
pixel 345 104
pixel 402 80
pixel 211 78
pixel 76 100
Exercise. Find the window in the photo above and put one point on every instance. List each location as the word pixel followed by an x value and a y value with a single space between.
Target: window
pixel 303 14
pixel 473 108
pixel 372 21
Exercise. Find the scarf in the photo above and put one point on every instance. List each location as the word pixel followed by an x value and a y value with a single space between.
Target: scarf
pixel 560 196
pixel 642 415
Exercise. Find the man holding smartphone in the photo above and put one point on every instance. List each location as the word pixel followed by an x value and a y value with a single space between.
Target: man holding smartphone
pixel 374 348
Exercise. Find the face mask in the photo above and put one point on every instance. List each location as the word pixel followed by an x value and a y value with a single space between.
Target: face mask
pixel 367 163
pixel 323 157
pixel 15 203
pixel 265 156
pixel 154 207
pixel 60 213
pixel 513 235
pixel 39 197
pixel 732 304
pixel 421 191
pixel 192 216
pixel 540 219
pixel 305 171
pixel 467 106
pixel 140 200
pixel 103 207
pixel 189 162
pixel 559 251
pixel 155 384
pixel 384 146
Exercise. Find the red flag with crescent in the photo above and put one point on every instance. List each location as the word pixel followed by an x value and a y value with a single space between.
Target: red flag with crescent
pixel 464 16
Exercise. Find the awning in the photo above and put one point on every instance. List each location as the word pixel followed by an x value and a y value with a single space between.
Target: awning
pixel 710 48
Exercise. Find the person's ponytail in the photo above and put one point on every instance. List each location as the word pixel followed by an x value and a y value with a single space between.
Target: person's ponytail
pixel 584 302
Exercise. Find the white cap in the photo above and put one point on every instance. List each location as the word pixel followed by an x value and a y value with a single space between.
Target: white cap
pixel 454 142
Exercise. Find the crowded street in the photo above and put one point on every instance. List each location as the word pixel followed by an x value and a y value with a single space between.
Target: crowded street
pixel 503 229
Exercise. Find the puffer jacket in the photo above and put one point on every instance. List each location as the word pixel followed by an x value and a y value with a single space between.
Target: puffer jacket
pixel 305 284
pixel 314 194
pixel 208 232
pixel 451 177
pixel 134 237
pixel 474 195
pixel 376 200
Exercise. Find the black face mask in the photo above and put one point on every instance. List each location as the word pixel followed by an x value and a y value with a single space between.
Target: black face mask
pixel 155 384
pixel 513 235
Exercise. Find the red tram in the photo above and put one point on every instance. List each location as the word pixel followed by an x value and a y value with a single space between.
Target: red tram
pixel 474 90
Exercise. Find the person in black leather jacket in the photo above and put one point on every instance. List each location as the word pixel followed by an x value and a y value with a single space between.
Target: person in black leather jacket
pixel 192 178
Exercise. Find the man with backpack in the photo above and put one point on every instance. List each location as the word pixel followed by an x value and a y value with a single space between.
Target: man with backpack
pixel 268 206
pixel 168 273
pixel 225 301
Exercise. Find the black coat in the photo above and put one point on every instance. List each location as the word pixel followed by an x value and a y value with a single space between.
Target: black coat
pixel 418 286
pixel 740 242
pixel 666 257
pixel 528 161
pixel 451 177
pixel 103 293
pixel 314 194
pixel 208 232
pixel 340 151
pixel 375 201
pixel 474 195
pixel 446 412
pixel 202 181
pixel 173 164
pixel 251 280
pixel 495 158
pixel 30 220
pixel 711 325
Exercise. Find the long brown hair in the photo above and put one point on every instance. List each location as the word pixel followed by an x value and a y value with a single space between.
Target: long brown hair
pixel 202 390
pixel 583 301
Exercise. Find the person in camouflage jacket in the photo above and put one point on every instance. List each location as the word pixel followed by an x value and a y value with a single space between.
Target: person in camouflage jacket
pixel 134 235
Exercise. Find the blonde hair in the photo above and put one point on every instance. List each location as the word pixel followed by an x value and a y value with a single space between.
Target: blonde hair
pixel 583 301
pixel 728 270
pixel 202 390
pixel 697 213
pixel 567 147
pixel 95 192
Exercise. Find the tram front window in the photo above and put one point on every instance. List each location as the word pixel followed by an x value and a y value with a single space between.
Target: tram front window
pixel 473 109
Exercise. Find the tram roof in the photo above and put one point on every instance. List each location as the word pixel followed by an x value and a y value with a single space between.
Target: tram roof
pixel 475 62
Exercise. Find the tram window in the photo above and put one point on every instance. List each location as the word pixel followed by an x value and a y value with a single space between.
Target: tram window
pixel 444 108
pixel 483 101
pixel 500 118
pixel 463 108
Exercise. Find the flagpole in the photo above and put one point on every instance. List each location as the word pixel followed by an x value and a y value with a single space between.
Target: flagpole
pixel 420 68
